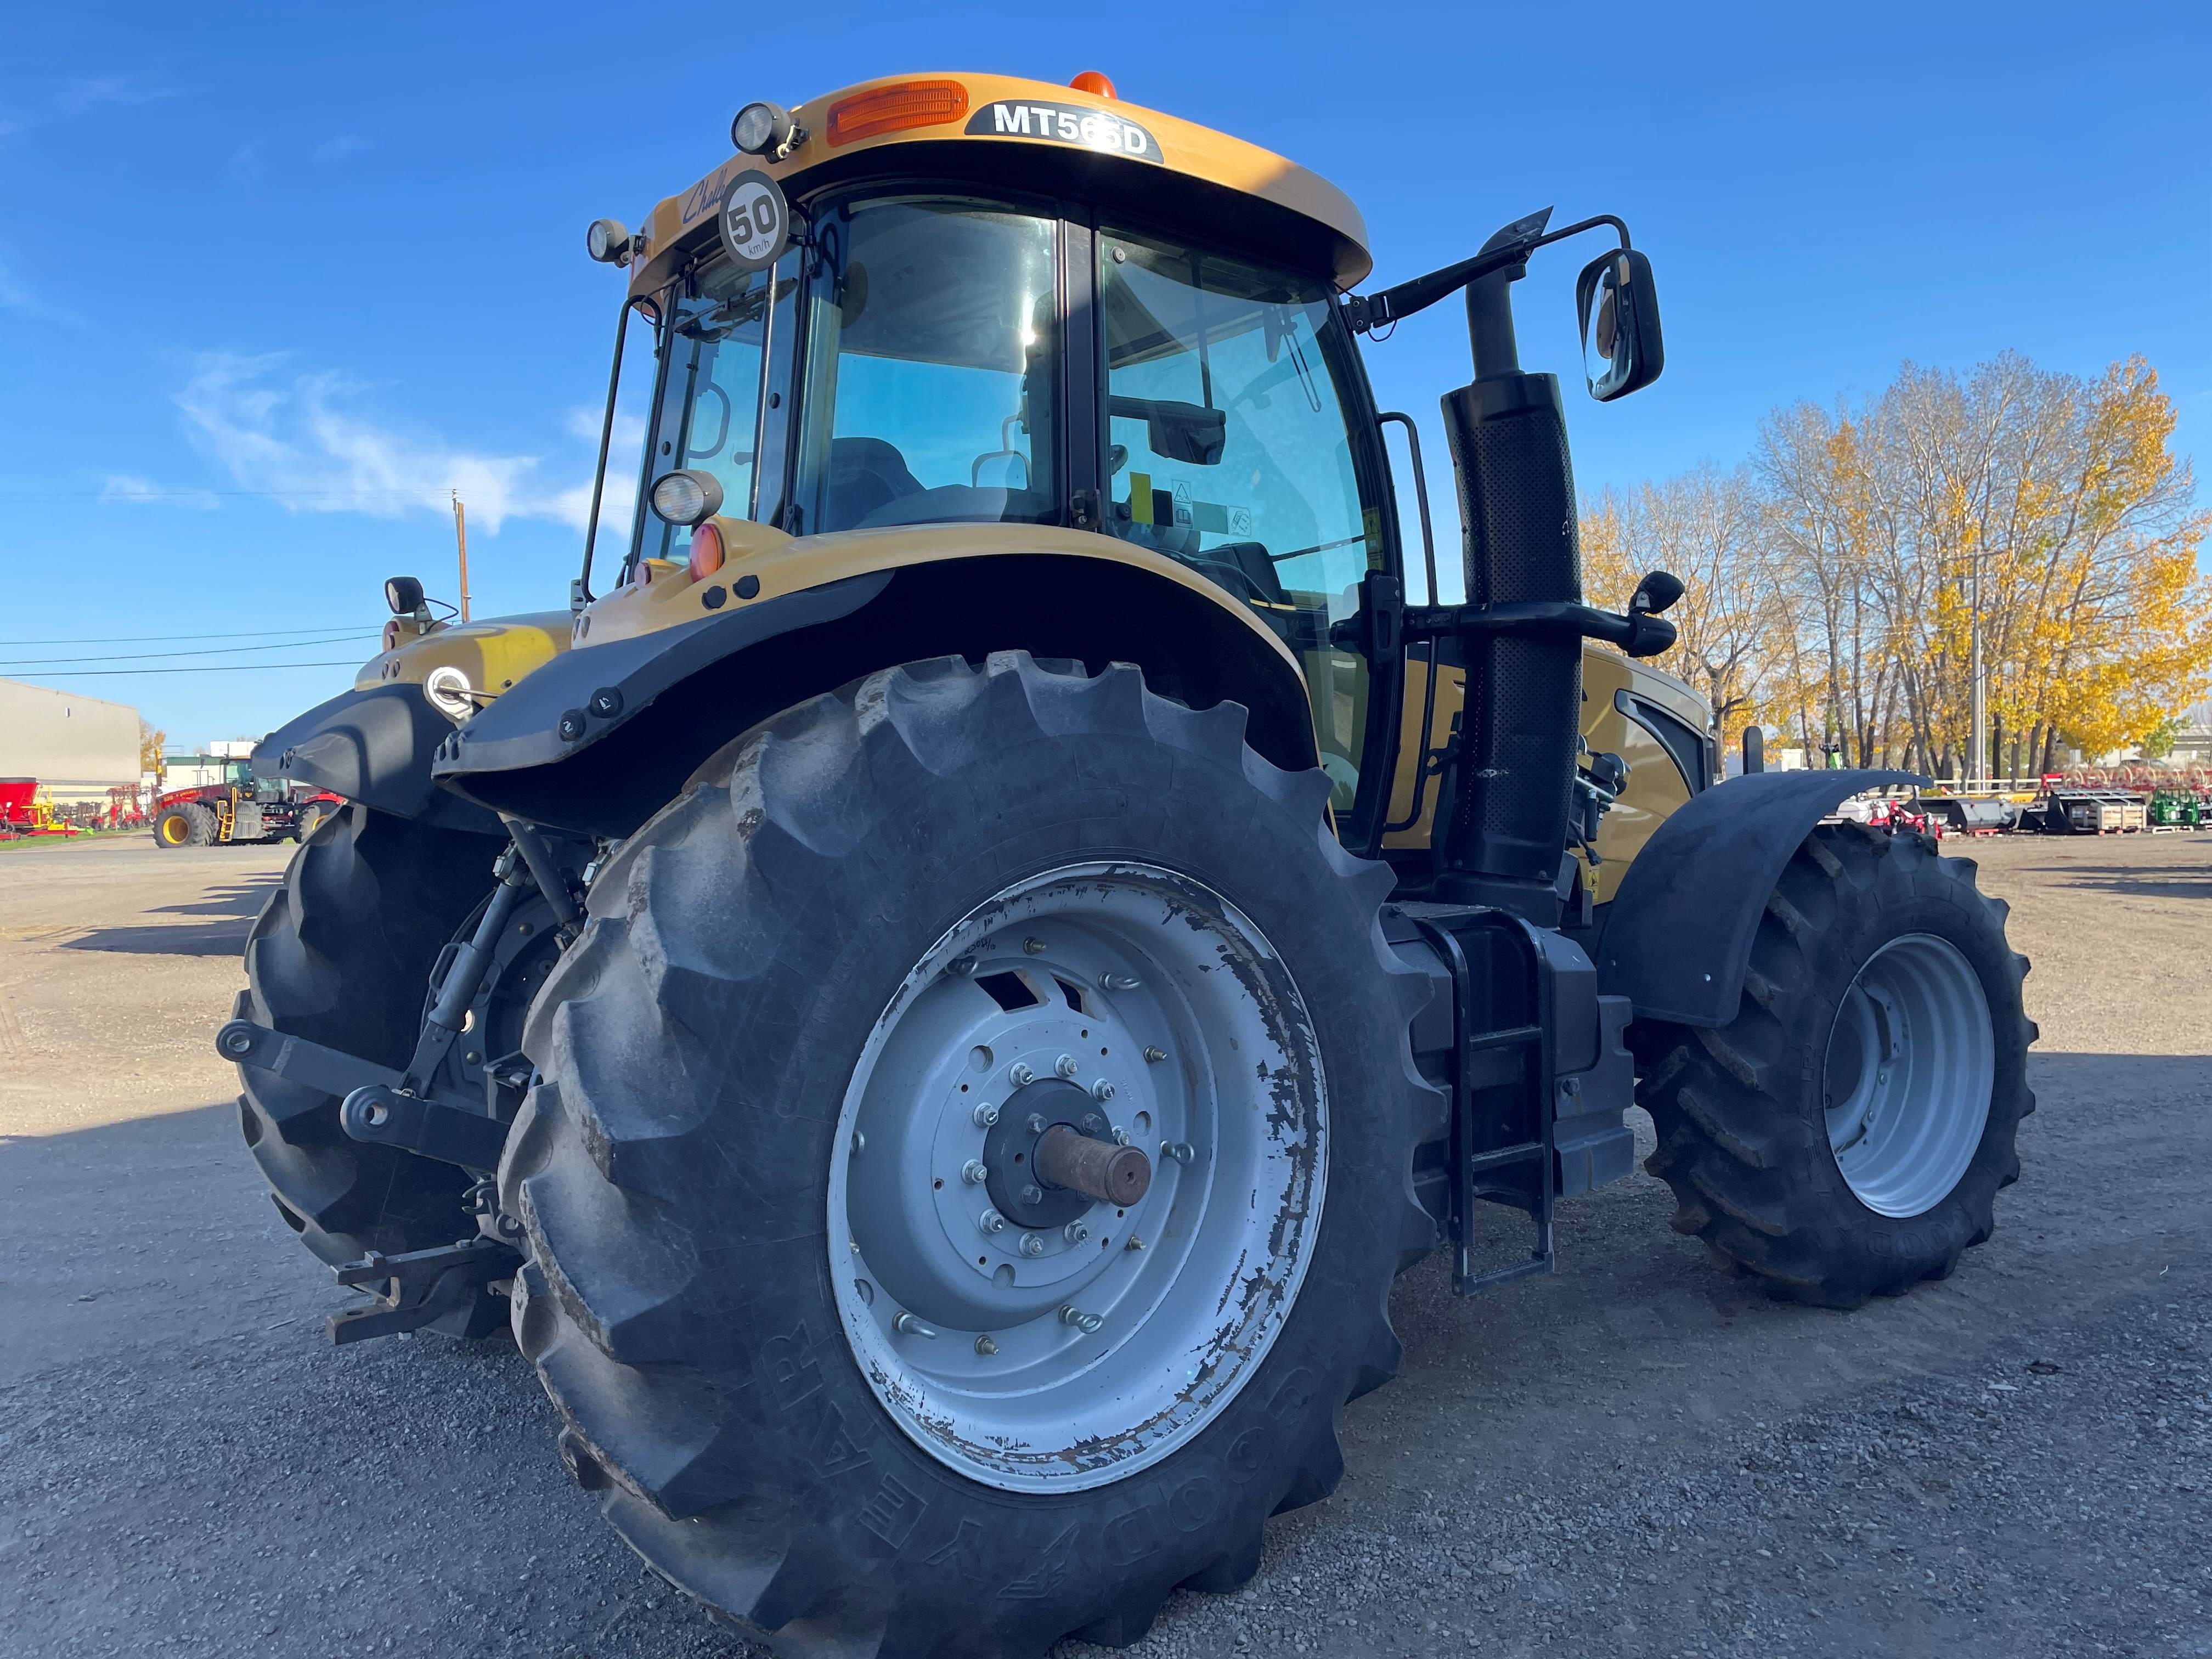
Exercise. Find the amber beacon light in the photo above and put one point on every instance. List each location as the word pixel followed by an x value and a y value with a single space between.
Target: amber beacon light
pixel 1093 81
pixel 895 109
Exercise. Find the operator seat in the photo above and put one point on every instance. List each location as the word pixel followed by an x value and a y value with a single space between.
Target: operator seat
pixel 866 476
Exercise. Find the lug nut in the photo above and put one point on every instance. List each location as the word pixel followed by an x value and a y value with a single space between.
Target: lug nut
pixel 985 1347
pixel 1037 1125
pixel 907 1325
pixel 1114 981
pixel 1154 1056
pixel 962 966
pixel 1102 1090
pixel 1121 1136
pixel 860 1143
pixel 986 1115
pixel 1032 1193
pixel 1020 1075
pixel 1134 1244
pixel 1075 1232
pixel 1088 1323
pixel 1180 1151
pixel 1033 946
pixel 1065 1066
pixel 974 1172
pixel 991 1221
pixel 1032 1245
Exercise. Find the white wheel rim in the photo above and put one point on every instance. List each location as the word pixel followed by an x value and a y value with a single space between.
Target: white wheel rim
pixel 1911 1068
pixel 1223 1239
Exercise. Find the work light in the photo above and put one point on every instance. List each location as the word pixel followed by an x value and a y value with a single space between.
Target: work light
pixel 765 130
pixel 687 496
pixel 607 240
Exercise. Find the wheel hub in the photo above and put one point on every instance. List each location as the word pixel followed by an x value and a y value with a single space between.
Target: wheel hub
pixel 1099 1017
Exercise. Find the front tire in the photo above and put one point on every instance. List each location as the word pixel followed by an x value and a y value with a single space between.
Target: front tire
pixel 341 955
pixel 778 937
pixel 1846 1136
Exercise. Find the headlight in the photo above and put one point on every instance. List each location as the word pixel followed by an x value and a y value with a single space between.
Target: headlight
pixel 687 497
pixel 446 690
pixel 607 240
pixel 765 130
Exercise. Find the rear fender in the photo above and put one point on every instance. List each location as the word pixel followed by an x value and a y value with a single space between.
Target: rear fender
pixel 373 745
pixel 1677 939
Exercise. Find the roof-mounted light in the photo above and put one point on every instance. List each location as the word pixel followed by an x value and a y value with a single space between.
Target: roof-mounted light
pixel 766 129
pixel 1093 81
pixel 896 108
pixel 609 242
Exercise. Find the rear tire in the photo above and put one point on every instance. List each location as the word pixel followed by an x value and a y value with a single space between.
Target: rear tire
pixel 1747 1114
pixel 678 1166
pixel 311 819
pixel 341 955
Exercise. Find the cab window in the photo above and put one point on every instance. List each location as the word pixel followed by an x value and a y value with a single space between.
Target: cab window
pixel 728 358
pixel 931 368
pixel 1228 451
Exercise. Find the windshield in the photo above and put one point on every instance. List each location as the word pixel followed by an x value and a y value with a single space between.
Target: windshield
pixel 728 344
pixel 931 368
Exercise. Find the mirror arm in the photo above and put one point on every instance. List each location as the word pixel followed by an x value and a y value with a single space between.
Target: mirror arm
pixel 1366 313
pixel 1639 632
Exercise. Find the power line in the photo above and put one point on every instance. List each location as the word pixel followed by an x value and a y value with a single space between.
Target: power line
pixel 147 639
pixel 212 651
pixel 210 668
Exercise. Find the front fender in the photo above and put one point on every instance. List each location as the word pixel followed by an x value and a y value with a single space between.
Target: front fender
pixel 1678 938
pixel 372 744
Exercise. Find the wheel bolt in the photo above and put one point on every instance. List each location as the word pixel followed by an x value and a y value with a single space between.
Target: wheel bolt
pixel 1075 1232
pixel 1020 1075
pixel 1121 1136
pixel 1037 1125
pixel 1088 1323
pixel 973 1173
pixel 1065 1066
pixel 1102 1090
pixel 1033 946
pixel 907 1325
pixel 1114 981
pixel 1032 1245
pixel 986 1115
pixel 985 1347
pixel 1033 1193
pixel 991 1221
pixel 1154 1056
pixel 860 1143
pixel 1180 1151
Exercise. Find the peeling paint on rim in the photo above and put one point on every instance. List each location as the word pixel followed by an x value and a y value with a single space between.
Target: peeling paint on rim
pixel 1191 1310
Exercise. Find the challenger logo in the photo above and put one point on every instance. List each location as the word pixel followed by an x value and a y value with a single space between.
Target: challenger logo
pixel 1066 124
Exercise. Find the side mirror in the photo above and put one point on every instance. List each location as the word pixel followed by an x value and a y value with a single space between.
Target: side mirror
pixel 1656 593
pixel 404 595
pixel 1620 310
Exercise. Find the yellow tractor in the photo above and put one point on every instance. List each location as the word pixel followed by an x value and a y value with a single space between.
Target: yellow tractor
pixel 942 989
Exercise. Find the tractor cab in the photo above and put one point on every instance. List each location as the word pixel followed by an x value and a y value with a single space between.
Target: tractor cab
pixel 963 311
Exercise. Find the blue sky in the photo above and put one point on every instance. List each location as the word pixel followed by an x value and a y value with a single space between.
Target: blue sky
pixel 274 278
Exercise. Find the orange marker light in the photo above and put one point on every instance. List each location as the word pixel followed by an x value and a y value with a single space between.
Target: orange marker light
pixel 707 551
pixel 1093 81
pixel 896 108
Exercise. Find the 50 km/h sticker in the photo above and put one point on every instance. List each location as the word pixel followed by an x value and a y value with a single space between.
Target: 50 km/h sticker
pixel 755 220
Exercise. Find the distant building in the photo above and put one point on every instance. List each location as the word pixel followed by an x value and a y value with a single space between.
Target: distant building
pixel 78 747
pixel 220 761
pixel 2192 745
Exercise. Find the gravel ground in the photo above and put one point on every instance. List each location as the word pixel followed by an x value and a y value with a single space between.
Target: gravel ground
pixel 1644 1454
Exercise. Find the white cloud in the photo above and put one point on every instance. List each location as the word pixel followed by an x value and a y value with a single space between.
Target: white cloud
pixel 15 297
pixel 303 439
pixel 128 487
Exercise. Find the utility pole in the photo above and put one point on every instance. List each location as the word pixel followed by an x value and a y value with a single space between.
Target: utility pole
pixel 461 540
pixel 1977 759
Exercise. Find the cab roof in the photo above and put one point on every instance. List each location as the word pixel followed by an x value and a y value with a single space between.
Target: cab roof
pixel 1038 138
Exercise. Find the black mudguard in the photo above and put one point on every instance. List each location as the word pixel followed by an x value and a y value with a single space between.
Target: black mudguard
pixel 1677 937
pixel 581 695
pixel 373 746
